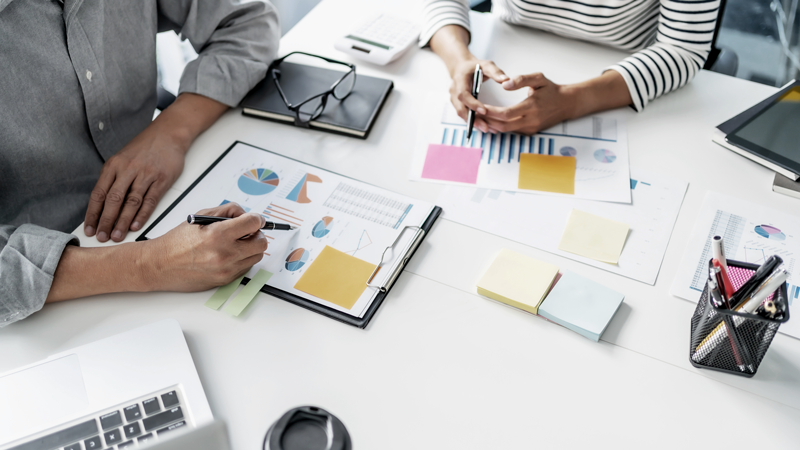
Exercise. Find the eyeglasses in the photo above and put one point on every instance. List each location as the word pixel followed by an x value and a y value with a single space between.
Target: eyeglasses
pixel 312 107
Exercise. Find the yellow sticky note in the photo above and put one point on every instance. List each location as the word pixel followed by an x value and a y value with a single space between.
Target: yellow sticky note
pixel 594 237
pixel 547 173
pixel 336 277
pixel 517 280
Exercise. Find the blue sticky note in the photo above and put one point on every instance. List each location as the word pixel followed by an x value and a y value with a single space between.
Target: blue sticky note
pixel 581 305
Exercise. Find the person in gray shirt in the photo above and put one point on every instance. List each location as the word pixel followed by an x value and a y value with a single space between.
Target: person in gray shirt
pixel 78 143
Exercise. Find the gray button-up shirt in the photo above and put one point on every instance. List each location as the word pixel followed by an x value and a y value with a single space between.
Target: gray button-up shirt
pixel 77 83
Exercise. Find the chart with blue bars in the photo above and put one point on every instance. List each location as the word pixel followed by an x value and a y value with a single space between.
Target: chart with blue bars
pixel 504 147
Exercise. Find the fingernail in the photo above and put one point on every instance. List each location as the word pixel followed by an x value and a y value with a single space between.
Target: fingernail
pixel 102 236
pixel 481 110
pixel 508 84
pixel 88 231
pixel 116 235
pixel 135 226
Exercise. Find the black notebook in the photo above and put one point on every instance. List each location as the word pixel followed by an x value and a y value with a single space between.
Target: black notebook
pixel 354 116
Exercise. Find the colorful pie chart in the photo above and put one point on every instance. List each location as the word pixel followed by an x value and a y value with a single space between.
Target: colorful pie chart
pixel 770 232
pixel 605 156
pixel 322 227
pixel 296 259
pixel 258 181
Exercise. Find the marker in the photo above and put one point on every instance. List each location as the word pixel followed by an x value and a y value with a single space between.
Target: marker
pixel 727 286
pixel 196 219
pixel 721 332
pixel 718 251
pixel 477 79
pixel 758 278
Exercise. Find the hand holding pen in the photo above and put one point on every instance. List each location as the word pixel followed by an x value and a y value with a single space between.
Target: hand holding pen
pixel 477 79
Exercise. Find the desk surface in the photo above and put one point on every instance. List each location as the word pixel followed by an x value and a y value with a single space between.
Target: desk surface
pixel 439 366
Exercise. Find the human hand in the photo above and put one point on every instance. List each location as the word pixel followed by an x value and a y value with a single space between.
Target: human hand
pixel 199 257
pixel 546 105
pixel 131 183
pixel 462 73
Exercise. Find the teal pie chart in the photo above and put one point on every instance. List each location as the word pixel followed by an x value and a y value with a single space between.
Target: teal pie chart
pixel 297 259
pixel 323 227
pixel 258 182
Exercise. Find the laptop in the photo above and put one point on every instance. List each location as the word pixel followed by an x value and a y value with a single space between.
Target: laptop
pixel 126 391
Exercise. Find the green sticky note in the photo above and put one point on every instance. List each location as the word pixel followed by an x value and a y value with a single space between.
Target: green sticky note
pixel 246 295
pixel 223 294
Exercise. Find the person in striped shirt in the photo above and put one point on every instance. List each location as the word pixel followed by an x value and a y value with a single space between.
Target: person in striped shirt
pixel 671 40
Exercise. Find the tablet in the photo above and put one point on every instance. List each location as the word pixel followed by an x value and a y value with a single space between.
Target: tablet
pixel 773 134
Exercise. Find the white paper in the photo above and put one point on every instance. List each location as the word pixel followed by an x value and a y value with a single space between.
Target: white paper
pixel 539 221
pixel 363 219
pixel 751 233
pixel 599 143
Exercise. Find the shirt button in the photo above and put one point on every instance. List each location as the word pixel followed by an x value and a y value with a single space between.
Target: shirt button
pixel 89 75
pixel 101 126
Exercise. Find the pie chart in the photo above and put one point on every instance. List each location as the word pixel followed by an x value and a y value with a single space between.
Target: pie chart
pixel 296 259
pixel 770 232
pixel 605 156
pixel 258 181
pixel 322 227
pixel 568 151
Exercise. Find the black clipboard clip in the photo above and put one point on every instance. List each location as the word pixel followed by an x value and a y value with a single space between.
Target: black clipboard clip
pixel 401 262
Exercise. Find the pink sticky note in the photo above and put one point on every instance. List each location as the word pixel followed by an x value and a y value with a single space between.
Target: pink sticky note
pixel 452 163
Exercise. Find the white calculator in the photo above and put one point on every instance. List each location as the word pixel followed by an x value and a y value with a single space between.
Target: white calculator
pixel 380 40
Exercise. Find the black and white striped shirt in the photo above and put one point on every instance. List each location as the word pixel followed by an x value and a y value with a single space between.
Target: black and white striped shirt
pixel 671 38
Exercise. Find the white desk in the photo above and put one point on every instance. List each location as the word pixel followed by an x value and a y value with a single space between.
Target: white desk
pixel 439 366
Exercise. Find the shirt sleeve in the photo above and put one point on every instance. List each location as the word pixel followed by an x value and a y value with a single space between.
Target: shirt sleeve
pixel 29 255
pixel 438 13
pixel 235 42
pixel 683 40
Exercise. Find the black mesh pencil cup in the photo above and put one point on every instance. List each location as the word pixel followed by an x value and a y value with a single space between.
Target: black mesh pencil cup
pixel 713 345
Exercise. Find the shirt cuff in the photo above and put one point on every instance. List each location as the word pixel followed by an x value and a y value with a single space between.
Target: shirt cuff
pixel 28 262
pixel 638 97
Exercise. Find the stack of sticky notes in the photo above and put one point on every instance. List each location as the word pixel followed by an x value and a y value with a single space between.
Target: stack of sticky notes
pixel 517 280
pixel 581 305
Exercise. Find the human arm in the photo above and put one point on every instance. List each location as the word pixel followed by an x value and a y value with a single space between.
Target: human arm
pixel 236 42
pixel 682 44
pixel 187 258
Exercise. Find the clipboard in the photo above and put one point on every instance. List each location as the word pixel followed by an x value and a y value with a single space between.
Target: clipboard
pixel 383 289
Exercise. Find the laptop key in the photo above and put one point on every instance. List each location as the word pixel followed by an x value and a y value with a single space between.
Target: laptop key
pixel 170 399
pixel 132 430
pixel 75 446
pixel 174 426
pixel 144 438
pixel 93 443
pixel 113 437
pixel 161 419
pixel 132 413
pixel 126 444
pixel 60 438
pixel 110 420
pixel 151 406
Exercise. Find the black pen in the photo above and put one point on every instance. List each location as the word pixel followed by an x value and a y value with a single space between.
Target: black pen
pixel 477 79
pixel 195 219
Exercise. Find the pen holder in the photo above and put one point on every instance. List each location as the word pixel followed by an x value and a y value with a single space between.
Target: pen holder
pixel 741 353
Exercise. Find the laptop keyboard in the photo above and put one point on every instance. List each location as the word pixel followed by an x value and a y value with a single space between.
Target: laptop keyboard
pixel 130 425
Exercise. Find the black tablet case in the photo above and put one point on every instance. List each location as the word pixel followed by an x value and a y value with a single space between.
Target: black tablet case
pixel 357 112
pixel 729 125
pixel 360 322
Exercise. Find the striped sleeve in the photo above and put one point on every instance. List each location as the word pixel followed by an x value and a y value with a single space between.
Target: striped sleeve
pixel 438 13
pixel 682 43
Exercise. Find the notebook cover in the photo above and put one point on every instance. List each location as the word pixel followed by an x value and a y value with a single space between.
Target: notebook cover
pixel 581 305
pixel 355 114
